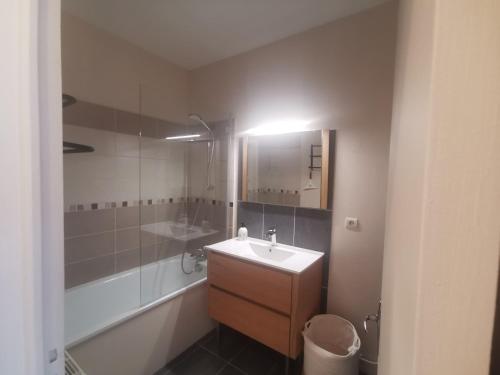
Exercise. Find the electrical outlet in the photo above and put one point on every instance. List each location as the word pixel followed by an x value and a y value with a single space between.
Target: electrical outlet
pixel 351 223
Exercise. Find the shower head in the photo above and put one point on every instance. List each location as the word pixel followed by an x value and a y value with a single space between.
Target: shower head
pixel 197 118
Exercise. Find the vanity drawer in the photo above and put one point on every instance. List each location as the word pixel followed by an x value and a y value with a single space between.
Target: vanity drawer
pixel 264 325
pixel 257 283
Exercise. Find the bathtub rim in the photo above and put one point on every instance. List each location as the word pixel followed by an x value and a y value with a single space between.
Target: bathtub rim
pixel 122 318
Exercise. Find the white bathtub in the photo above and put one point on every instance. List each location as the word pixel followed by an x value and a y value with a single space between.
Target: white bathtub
pixel 102 304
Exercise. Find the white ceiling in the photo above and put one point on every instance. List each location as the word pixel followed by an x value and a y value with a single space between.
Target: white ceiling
pixel 193 33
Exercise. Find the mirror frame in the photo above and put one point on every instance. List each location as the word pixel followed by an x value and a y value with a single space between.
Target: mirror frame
pixel 327 168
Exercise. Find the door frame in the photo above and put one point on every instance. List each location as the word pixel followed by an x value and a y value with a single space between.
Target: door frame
pixel 31 230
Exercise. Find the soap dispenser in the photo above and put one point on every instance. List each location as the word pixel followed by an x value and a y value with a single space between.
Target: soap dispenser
pixel 242 233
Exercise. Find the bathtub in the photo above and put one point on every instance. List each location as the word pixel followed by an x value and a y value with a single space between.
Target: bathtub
pixel 95 307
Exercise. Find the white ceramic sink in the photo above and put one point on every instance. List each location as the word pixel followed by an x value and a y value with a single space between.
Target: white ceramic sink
pixel 285 257
pixel 270 252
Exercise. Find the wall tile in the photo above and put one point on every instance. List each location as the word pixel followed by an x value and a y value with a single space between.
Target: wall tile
pixel 167 129
pixel 282 218
pixel 168 211
pixel 128 123
pixel 160 238
pixel 152 148
pixel 81 248
pixel 148 238
pixel 127 217
pixel 149 127
pixel 148 254
pixel 148 214
pixel 126 260
pixel 127 145
pixel 86 222
pixel 220 219
pixel 252 215
pixel 125 178
pixel 89 178
pixel 153 178
pixel 93 269
pixel 313 229
pixel 90 116
pixel 199 243
pixel 132 123
pixel 197 212
pixel 127 239
pixel 215 214
pixel 161 212
pixel 103 142
pixel 169 249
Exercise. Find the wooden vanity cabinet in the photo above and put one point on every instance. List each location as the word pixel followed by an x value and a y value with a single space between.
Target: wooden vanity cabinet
pixel 264 303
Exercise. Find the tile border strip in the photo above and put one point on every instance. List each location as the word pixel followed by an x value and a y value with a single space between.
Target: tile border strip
pixel 80 207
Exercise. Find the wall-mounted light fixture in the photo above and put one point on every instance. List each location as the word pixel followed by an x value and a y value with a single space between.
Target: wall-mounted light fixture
pixel 183 136
pixel 280 127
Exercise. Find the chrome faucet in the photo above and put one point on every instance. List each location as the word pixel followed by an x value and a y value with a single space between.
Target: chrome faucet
pixel 271 235
pixel 199 255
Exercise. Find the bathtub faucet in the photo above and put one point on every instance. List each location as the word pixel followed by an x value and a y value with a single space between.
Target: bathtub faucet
pixel 199 254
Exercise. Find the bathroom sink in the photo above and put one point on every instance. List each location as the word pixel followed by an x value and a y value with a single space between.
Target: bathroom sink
pixel 270 252
pixel 284 257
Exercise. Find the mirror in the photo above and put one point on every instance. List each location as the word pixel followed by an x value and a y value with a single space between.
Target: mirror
pixel 293 169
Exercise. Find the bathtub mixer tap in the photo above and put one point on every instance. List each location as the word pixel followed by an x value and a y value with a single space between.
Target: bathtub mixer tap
pixel 199 254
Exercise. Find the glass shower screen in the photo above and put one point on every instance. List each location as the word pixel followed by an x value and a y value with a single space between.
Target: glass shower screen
pixel 183 194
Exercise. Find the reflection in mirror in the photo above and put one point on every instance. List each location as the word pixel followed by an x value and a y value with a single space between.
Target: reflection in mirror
pixel 285 169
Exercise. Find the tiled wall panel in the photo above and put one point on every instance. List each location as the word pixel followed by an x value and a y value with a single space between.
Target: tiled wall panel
pixel 102 242
pixel 105 217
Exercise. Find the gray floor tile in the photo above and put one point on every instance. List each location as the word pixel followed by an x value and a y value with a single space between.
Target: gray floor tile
pixel 256 359
pixel 230 370
pixel 231 343
pixel 237 355
pixel 199 362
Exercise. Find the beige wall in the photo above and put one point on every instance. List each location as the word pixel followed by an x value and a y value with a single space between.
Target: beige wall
pixel 103 69
pixel 340 76
pixel 443 217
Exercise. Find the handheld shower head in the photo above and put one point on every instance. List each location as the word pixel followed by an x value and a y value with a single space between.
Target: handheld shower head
pixel 195 117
